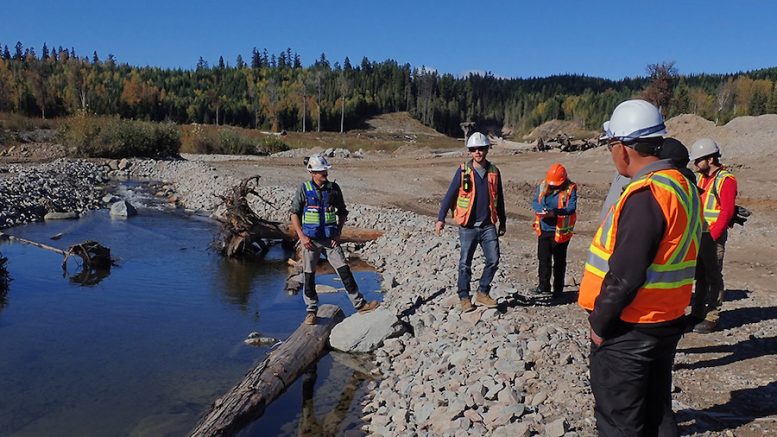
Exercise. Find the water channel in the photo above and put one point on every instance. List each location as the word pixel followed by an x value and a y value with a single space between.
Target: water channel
pixel 146 349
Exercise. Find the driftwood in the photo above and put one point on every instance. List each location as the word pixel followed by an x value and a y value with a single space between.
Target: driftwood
pixel 243 231
pixel 92 253
pixel 247 401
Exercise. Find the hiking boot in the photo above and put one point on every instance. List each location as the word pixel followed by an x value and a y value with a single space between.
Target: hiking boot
pixel 466 305
pixel 367 307
pixel 539 292
pixel 705 327
pixel 485 300
pixel 310 319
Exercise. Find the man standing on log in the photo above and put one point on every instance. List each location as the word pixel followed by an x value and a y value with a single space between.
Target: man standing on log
pixel 476 198
pixel 318 214
pixel 638 279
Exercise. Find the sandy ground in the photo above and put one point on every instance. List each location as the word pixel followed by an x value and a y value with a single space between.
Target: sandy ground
pixel 725 381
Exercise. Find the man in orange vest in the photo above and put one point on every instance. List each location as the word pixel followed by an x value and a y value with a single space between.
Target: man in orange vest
pixel 638 279
pixel 476 198
pixel 719 202
pixel 554 204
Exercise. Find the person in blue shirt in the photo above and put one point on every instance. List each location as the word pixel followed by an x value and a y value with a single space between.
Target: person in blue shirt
pixel 476 198
pixel 554 205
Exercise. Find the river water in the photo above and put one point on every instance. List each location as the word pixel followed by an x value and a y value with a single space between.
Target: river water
pixel 146 349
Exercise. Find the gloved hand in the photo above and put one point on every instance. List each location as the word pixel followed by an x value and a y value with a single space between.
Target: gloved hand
pixel 502 229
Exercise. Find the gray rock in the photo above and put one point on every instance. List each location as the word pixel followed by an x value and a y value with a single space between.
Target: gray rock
pixel 361 333
pixel 53 215
pixel 123 208
pixel 557 428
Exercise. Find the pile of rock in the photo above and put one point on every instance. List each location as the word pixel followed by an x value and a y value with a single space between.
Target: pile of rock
pixel 27 194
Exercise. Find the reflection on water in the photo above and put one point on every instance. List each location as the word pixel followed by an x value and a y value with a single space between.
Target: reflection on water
pixel 146 349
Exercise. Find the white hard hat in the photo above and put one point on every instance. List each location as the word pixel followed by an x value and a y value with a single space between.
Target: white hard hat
pixel 634 119
pixel 704 147
pixel 477 140
pixel 318 163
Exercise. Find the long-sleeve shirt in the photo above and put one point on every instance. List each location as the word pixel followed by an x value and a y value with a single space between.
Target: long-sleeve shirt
pixel 550 203
pixel 641 228
pixel 481 214
pixel 728 197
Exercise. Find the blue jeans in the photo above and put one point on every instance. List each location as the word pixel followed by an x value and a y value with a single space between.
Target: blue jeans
pixel 469 238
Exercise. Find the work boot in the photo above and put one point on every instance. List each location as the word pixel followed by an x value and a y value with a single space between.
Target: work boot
pixel 368 306
pixel 310 318
pixel 466 305
pixel 705 327
pixel 539 291
pixel 485 300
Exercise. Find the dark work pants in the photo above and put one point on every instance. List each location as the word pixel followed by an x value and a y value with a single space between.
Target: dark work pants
pixel 631 379
pixel 552 257
pixel 709 290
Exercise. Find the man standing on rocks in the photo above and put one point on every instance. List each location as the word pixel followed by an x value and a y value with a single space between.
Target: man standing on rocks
pixel 638 279
pixel 719 199
pixel 475 196
pixel 318 214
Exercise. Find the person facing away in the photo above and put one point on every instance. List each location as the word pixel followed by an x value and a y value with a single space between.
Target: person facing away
pixel 554 204
pixel 638 278
pixel 475 195
pixel 318 213
pixel 719 187
pixel 672 149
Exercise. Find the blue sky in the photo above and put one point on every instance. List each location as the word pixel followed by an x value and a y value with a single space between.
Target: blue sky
pixel 604 38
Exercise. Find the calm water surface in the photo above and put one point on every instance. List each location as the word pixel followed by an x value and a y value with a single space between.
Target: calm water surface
pixel 148 348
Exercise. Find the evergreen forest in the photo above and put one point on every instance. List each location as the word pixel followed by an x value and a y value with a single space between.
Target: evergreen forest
pixel 277 92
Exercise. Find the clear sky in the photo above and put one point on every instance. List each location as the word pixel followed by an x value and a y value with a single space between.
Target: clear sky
pixel 606 38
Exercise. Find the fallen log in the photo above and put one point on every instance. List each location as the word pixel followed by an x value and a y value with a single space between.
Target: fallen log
pixel 247 401
pixel 277 231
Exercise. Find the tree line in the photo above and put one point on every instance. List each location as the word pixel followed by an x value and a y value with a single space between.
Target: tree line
pixel 276 92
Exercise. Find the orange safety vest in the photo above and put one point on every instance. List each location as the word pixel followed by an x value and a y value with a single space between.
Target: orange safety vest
pixel 465 201
pixel 565 224
pixel 711 196
pixel 667 287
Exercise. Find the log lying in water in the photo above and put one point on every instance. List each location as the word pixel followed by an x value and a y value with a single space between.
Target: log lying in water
pixel 247 401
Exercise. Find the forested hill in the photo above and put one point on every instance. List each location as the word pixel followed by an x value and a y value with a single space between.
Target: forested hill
pixel 277 92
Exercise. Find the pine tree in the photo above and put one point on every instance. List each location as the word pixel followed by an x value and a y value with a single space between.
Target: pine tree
pixel 18 54
pixel 256 59
pixel 95 58
pixel 44 52
pixel 6 53
pixel 239 62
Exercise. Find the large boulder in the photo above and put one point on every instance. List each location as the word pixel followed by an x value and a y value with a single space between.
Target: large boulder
pixel 123 208
pixel 362 333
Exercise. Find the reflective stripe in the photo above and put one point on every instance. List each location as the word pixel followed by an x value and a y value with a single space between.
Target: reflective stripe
pixel 676 277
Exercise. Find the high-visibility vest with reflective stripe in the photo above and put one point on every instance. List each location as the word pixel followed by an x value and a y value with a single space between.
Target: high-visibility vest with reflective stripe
pixel 565 224
pixel 465 202
pixel 319 218
pixel 669 278
pixel 711 197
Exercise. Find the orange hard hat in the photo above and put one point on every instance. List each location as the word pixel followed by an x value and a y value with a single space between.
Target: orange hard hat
pixel 557 175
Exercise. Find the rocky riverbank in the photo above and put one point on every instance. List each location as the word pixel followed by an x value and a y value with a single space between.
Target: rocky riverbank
pixel 511 371
pixel 28 193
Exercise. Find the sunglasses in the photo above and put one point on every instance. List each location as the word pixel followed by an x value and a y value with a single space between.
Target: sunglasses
pixel 612 142
pixel 478 149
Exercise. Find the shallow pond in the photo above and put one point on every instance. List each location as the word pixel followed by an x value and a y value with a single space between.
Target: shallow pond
pixel 146 349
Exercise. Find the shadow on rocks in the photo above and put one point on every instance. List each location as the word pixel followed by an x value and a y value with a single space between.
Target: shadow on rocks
pixel 743 316
pixel 522 300
pixel 732 295
pixel 411 309
pixel 745 406
pixel 751 348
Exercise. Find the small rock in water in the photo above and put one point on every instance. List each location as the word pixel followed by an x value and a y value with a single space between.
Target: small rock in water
pixel 123 208
pixel 256 339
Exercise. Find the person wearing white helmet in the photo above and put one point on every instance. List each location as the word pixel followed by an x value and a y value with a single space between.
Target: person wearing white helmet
pixel 638 278
pixel 476 198
pixel 719 188
pixel 318 213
